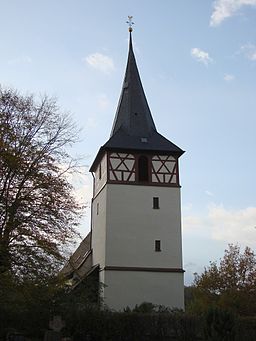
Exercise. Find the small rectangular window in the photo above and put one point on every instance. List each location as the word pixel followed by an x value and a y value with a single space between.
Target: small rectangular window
pixel 156 203
pixel 97 208
pixel 157 245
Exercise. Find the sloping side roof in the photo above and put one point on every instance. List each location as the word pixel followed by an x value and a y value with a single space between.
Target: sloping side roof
pixel 80 262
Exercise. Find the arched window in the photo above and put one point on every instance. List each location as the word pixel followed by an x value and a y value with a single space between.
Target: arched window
pixel 143 169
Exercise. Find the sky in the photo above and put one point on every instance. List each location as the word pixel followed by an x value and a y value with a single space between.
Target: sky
pixel 197 62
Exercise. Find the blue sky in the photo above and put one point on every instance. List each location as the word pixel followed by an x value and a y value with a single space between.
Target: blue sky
pixel 197 61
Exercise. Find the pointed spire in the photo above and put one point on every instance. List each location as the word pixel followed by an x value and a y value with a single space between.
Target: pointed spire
pixel 133 114
pixel 133 127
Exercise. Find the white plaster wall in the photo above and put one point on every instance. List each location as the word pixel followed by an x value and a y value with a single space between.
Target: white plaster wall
pixel 127 288
pixel 99 228
pixel 124 233
pixel 133 226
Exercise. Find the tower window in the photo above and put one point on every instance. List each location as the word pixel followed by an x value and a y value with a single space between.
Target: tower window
pixel 143 169
pixel 157 245
pixel 97 208
pixel 155 202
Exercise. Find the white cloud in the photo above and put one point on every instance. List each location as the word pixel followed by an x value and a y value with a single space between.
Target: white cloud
pixel 210 194
pixel 20 60
pixel 227 225
pixel 192 222
pixel 82 185
pixel 201 56
pixel 92 122
pixel 100 62
pixel 103 102
pixel 228 77
pixel 223 9
pixel 81 182
pixel 83 191
pixel 249 51
pixel 187 207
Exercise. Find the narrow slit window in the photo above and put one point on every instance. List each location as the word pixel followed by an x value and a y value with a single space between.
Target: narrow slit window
pixel 100 171
pixel 157 245
pixel 97 208
pixel 156 203
pixel 143 169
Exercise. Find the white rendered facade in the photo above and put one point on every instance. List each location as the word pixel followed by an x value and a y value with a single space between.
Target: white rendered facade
pixel 125 227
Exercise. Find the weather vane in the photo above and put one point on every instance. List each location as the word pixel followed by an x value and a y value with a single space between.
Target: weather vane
pixel 130 22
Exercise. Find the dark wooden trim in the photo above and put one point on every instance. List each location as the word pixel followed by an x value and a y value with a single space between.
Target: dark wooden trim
pixel 108 165
pixel 153 184
pixel 143 269
pixel 145 151
pixel 178 173
pixel 157 184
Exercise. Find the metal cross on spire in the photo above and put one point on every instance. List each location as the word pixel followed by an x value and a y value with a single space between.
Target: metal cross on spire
pixel 130 22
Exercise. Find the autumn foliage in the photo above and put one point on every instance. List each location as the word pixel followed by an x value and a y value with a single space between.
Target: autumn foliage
pixel 231 284
pixel 38 211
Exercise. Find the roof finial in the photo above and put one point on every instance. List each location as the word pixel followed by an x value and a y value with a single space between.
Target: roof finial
pixel 130 22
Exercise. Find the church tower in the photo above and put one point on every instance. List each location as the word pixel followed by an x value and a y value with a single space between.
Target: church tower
pixel 136 214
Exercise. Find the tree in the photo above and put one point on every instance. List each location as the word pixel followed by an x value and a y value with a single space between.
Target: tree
pixel 231 284
pixel 38 211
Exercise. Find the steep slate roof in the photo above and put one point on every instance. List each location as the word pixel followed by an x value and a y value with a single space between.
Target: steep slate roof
pixel 133 127
pixel 133 113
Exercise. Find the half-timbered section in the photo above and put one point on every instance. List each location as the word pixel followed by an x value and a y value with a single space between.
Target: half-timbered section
pixel 121 167
pixel 164 170
pixel 141 169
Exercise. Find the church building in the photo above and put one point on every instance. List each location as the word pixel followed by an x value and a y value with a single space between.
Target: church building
pixel 135 240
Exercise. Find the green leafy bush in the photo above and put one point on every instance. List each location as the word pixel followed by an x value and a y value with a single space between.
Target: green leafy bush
pixel 219 325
